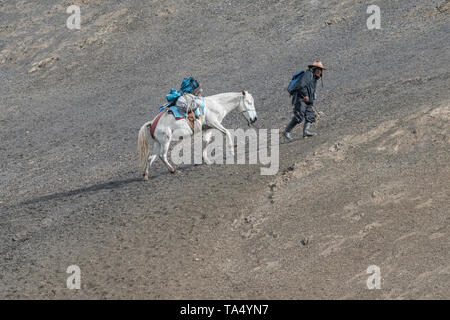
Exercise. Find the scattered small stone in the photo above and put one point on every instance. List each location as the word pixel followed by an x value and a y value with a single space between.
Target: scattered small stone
pixel 444 7
pixel 41 64
pixel 273 235
pixel 19 237
pixel 304 241
pixel 336 147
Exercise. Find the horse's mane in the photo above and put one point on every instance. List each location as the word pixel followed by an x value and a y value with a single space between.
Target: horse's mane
pixel 234 94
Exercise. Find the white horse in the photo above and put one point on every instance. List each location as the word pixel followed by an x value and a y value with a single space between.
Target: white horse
pixel 216 108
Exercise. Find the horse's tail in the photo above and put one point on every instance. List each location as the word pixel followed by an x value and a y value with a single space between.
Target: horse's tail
pixel 144 143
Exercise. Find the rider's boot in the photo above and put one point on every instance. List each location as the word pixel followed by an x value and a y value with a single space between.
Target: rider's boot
pixel 290 126
pixel 306 132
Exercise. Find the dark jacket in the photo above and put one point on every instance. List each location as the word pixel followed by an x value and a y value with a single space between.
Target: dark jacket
pixel 307 88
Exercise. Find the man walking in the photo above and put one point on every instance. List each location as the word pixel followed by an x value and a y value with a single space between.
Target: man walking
pixel 303 100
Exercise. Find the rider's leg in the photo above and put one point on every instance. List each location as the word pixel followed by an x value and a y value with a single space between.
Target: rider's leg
pixel 197 112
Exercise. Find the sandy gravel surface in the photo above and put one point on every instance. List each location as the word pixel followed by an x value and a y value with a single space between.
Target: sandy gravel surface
pixel 371 189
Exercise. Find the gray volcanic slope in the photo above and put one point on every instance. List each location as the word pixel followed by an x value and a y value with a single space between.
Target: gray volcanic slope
pixel 371 189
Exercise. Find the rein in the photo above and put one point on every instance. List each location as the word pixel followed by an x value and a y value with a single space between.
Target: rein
pixel 242 102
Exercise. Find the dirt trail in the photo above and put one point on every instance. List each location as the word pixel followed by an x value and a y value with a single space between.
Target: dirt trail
pixel 370 189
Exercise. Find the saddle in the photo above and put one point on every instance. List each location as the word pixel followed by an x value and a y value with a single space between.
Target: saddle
pixel 179 114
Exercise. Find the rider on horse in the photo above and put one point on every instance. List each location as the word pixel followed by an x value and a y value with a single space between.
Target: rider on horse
pixel 188 86
pixel 192 86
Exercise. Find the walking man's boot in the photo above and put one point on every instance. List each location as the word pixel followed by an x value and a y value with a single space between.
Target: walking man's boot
pixel 290 126
pixel 306 132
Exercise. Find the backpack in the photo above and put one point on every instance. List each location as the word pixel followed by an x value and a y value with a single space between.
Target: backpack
pixel 188 85
pixel 173 96
pixel 294 84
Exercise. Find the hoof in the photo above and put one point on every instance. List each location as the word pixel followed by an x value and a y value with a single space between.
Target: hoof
pixel 175 171
pixel 145 177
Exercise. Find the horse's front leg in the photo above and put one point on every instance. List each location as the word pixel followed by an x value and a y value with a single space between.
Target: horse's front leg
pixel 227 133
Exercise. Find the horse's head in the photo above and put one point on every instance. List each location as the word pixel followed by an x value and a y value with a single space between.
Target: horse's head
pixel 247 107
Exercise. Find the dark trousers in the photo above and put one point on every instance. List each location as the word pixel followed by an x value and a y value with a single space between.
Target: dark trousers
pixel 303 111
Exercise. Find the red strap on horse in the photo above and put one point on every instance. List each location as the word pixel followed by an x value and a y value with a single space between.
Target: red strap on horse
pixel 155 122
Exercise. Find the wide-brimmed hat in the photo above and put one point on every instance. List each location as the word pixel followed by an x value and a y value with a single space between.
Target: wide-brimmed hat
pixel 317 64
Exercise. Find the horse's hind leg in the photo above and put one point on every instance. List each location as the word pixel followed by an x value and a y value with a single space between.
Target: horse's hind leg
pixel 163 155
pixel 151 158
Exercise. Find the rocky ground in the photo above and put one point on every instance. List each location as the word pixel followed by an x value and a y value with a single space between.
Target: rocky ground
pixel 371 189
